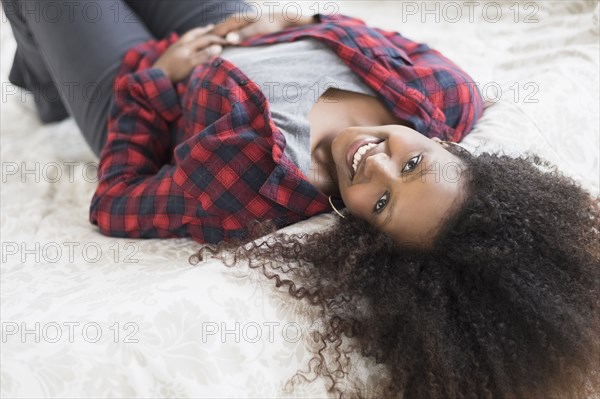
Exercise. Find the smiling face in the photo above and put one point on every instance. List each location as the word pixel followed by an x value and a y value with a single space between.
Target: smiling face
pixel 405 184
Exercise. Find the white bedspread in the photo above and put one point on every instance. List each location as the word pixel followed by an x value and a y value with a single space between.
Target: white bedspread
pixel 85 315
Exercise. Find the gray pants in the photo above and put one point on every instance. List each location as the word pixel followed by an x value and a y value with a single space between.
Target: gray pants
pixel 69 51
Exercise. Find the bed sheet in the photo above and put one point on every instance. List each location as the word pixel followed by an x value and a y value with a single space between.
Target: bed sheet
pixel 85 315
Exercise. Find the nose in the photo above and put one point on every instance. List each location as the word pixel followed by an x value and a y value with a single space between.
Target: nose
pixel 380 167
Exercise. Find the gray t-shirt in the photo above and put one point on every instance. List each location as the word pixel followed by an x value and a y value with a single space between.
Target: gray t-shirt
pixel 292 77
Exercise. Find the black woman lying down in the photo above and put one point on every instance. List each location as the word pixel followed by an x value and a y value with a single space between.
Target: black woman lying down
pixel 467 276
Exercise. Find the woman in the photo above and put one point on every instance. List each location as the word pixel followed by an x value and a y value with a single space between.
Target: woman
pixel 186 122
pixel 465 276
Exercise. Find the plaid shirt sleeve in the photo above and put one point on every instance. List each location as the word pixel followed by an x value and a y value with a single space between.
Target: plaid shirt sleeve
pixel 136 196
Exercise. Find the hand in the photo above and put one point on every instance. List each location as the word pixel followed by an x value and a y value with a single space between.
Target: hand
pixel 194 47
pixel 239 27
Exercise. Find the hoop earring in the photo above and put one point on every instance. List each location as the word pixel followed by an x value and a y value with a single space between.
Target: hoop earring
pixel 452 143
pixel 335 209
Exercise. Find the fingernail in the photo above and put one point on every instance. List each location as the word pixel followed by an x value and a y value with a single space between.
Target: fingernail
pixel 216 49
pixel 233 37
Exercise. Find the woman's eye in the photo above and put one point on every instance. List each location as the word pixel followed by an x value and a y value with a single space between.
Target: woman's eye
pixel 412 163
pixel 381 203
pixel 409 166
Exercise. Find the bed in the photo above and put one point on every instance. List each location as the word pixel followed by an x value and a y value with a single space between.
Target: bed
pixel 84 315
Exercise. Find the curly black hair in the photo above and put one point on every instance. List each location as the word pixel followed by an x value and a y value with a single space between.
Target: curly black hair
pixel 505 305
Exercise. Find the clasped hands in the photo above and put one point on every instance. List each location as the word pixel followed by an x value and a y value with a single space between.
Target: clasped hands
pixel 199 45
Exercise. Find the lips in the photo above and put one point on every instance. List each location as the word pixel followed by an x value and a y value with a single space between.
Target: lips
pixel 352 151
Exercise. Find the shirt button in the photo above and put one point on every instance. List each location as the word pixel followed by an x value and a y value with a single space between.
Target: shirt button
pixel 243 82
pixel 218 62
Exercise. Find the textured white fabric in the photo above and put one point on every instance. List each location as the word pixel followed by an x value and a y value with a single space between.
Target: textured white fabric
pixel 173 307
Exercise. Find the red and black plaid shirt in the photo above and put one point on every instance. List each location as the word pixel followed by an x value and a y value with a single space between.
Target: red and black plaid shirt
pixel 203 158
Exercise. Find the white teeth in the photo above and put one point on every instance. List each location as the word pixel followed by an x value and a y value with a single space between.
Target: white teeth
pixel 359 154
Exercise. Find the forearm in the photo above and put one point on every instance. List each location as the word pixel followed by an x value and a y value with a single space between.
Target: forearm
pixel 136 196
pixel 306 20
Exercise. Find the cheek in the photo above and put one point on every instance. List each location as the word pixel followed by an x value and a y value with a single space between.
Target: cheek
pixel 357 200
